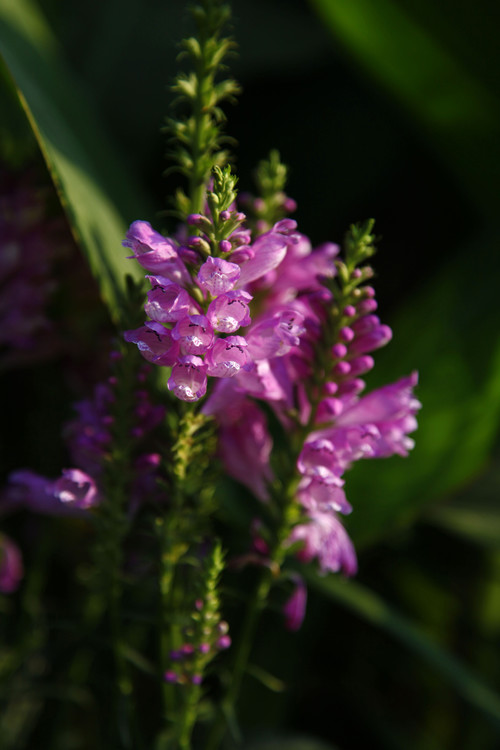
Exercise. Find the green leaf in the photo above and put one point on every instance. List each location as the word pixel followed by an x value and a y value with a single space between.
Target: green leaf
pixel 474 513
pixel 270 681
pixel 453 106
pixel 368 605
pixel 93 186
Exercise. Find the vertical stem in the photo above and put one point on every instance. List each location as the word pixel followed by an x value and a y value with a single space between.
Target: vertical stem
pixel 242 654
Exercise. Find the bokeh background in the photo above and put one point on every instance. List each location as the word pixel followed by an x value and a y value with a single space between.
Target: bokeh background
pixel 388 110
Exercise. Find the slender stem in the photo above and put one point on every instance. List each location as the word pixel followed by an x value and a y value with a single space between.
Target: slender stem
pixel 196 179
pixel 242 653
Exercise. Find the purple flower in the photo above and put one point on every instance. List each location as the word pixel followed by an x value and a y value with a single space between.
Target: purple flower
pixel 155 342
pixel 188 380
pixel 244 440
pixel 274 337
pixel 317 458
pixel 268 251
pixel 155 252
pixel 323 493
pixel 295 607
pixel 26 489
pixel 230 311
pixel 194 334
pixel 374 339
pixel 325 538
pixel 262 382
pixel 390 411
pixel 167 301
pixel 218 276
pixel 76 489
pixel 227 357
pixel 11 565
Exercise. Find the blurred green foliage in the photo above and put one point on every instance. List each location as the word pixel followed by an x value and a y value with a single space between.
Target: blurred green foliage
pixel 387 109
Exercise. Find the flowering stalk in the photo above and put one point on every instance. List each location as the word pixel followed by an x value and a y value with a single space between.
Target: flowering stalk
pixel 202 637
pixel 271 204
pixel 182 530
pixel 197 137
pixel 307 484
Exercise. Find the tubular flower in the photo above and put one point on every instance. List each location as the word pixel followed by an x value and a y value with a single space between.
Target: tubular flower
pixel 286 327
pixel 89 439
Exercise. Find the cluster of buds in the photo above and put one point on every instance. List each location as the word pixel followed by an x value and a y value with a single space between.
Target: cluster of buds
pixel 206 633
pixel 189 662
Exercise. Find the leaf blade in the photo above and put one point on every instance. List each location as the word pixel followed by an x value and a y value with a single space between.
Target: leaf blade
pixel 96 193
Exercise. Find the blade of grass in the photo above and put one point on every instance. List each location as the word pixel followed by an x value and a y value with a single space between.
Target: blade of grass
pixel 94 188
pixel 456 111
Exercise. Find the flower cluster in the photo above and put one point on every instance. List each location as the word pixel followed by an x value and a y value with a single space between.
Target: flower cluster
pixel 194 319
pixel 89 439
pixel 278 321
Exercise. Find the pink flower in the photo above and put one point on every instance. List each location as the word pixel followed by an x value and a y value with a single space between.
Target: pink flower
pixel 323 493
pixel 268 251
pixel 194 334
pixel 218 276
pixel 188 380
pixel 325 538
pixel 227 357
pixel 276 335
pixel 229 311
pixel 244 441
pixel 155 343
pixel 155 252
pixel 167 301
pixel 76 489
pixel 391 411
pixel 71 494
pixel 295 608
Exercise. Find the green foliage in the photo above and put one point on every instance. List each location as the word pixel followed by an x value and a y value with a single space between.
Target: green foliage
pixel 457 112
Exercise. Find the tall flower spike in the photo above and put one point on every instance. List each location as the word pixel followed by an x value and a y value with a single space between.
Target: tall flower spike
pixel 272 203
pixel 196 136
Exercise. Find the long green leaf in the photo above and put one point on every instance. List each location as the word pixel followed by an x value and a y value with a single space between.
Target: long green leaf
pixel 93 186
pixel 473 514
pixel 368 605
pixel 456 110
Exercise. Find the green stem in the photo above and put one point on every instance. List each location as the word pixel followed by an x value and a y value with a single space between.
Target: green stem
pixel 196 180
pixel 241 657
pixel 189 716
